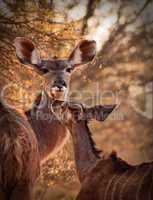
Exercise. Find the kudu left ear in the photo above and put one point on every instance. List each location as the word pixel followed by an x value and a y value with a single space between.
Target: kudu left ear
pixel 26 51
pixel 83 53
pixel 104 112
pixel 98 112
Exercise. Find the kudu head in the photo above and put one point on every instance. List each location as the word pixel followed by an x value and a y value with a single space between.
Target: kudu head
pixel 57 72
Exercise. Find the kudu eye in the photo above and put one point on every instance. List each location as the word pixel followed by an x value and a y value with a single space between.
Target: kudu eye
pixel 69 69
pixel 44 70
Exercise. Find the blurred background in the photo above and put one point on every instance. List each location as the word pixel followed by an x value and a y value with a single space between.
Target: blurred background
pixel 122 73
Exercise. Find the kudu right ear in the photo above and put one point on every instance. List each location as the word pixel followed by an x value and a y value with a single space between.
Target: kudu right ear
pixel 26 51
pixel 83 53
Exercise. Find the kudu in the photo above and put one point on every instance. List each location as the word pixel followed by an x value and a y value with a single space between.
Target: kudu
pixel 106 178
pixel 22 144
pixel 50 132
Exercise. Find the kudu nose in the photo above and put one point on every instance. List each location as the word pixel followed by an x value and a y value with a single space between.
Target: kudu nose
pixel 60 84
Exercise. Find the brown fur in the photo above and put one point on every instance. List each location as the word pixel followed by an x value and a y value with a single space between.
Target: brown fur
pixel 18 141
pixel 117 180
pixel 50 132
pixel 108 178
pixel 19 156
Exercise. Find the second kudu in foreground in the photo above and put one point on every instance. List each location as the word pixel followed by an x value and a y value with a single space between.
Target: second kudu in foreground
pixel 50 132
pixel 106 178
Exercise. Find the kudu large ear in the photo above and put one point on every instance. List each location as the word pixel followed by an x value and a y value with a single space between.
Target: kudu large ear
pixel 99 112
pixel 26 51
pixel 83 53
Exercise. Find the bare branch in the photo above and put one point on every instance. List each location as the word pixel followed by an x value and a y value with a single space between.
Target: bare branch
pixel 120 30
pixel 140 12
pixel 90 10
pixel 38 19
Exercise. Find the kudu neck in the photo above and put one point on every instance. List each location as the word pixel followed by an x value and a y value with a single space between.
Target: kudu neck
pixel 42 102
pixel 86 154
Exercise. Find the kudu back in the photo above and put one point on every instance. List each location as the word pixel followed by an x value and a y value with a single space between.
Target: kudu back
pixel 106 177
pixel 19 156
pixel 50 132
